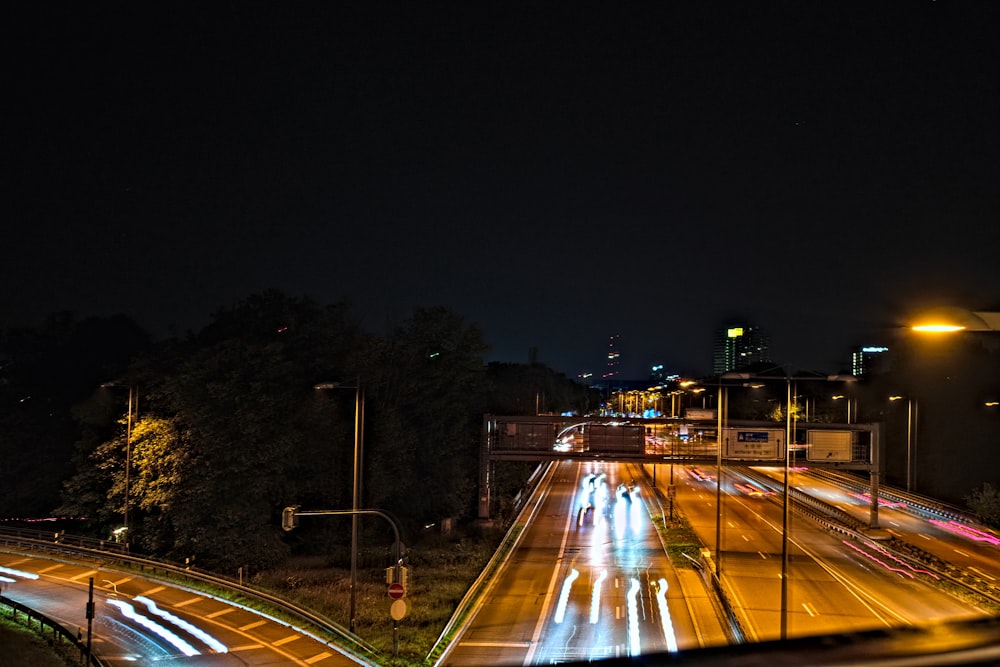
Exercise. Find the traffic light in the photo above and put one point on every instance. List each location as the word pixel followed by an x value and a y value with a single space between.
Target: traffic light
pixel 288 518
pixel 404 575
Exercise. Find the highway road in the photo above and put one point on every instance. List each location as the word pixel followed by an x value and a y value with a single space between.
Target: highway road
pixel 834 584
pixel 975 549
pixel 580 587
pixel 142 621
pixel 583 591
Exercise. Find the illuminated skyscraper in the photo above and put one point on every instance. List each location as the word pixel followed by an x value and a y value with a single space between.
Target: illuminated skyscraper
pixel 739 347
pixel 868 359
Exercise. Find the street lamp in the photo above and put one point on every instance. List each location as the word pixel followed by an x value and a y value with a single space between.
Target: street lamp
pixel 359 419
pixel 786 495
pixel 911 437
pixel 133 407
pixel 950 320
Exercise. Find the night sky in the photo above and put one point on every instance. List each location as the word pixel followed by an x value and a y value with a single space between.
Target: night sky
pixel 556 172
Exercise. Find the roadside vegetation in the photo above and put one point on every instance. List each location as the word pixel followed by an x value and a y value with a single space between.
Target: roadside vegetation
pixel 441 571
pixel 22 647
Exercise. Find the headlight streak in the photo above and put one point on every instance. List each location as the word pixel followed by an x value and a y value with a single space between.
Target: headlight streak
pixel 966 531
pixel 595 597
pixel 19 573
pixel 665 620
pixel 632 621
pixel 564 596
pixel 211 641
pixel 8 580
pixel 129 612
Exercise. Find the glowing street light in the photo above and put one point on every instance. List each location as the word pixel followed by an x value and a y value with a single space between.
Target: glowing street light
pixel 951 320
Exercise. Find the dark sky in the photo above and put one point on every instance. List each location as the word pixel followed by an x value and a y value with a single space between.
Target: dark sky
pixel 556 172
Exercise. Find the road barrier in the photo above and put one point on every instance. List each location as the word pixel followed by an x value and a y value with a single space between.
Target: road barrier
pixel 58 637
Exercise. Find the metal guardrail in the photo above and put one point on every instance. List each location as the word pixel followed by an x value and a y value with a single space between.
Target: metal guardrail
pixel 478 588
pixel 322 627
pixel 55 634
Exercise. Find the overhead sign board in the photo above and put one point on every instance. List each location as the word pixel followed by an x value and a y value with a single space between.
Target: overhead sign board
pixel 754 444
pixel 824 445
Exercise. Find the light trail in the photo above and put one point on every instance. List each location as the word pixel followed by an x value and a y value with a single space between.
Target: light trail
pixel 129 612
pixel 564 596
pixel 19 573
pixel 211 641
pixel 632 621
pixel 967 531
pixel 595 598
pixel 665 620
pixel 899 560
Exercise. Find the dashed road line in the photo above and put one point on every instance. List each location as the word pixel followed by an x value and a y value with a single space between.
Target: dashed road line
pixel 189 601
pixel 251 626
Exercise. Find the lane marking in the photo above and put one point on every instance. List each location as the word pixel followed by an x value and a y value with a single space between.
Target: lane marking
pixel 215 614
pixel 155 589
pixel 287 640
pixel 316 658
pixel 84 574
pixel 251 626
pixel 189 601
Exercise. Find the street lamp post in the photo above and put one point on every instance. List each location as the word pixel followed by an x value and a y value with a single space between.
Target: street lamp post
pixel 133 408
pixel 912 407
pixel 359 419
pixel 786 492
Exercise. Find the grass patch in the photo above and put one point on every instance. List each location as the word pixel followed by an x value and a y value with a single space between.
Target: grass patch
pixel 681 541
pixel 24 648
pixel 441 571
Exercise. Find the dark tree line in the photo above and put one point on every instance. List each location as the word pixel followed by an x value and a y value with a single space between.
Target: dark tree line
pixel 228 426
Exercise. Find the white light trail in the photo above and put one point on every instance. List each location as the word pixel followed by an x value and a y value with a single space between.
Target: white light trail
pixel 595 597
pixel 632 622
pixel 564 596
pixel 19 573
pixel 211 641
pixel 665 620
pixel 129 612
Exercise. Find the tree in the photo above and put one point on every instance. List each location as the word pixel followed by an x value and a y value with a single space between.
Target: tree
pixel 44 371
pixel 985 502
pixel 426 388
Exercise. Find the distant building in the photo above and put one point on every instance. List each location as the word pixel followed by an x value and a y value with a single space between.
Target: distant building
pixel 869 359
pixel 659 375
pixel 613 368
pixel 739 347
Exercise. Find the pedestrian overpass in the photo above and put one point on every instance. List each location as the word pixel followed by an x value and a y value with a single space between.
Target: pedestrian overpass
pixel 700 442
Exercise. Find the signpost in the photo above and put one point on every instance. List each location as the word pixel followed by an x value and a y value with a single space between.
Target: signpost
pixel 397 591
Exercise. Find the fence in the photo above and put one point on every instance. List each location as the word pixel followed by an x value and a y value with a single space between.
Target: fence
pixel 58 637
